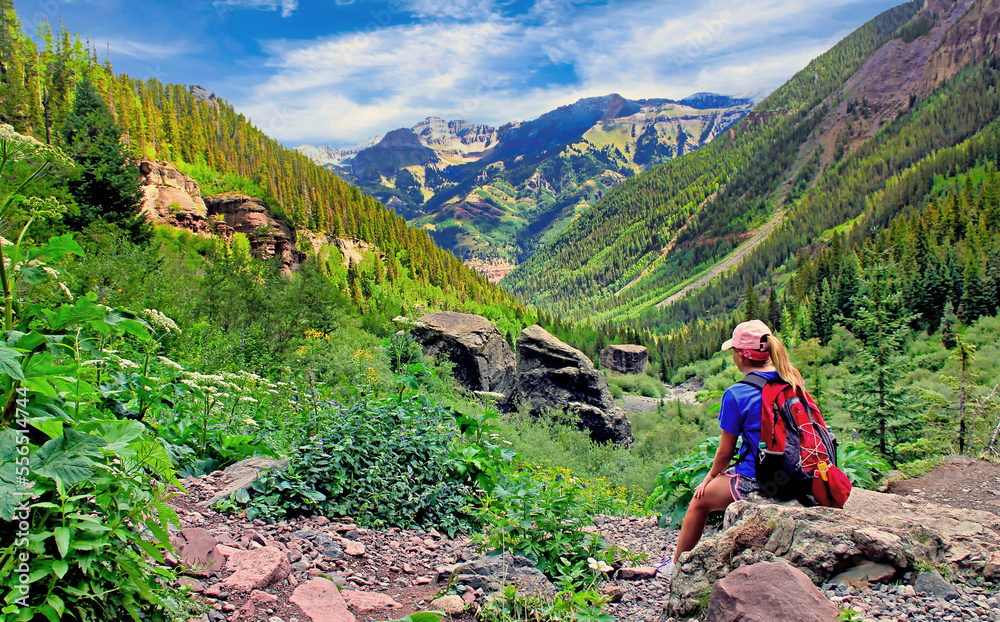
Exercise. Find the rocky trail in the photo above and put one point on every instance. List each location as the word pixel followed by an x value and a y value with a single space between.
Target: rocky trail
pixel 731 261
pixel 251 571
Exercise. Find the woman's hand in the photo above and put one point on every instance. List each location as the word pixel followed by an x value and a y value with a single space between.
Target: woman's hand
pixel 699 492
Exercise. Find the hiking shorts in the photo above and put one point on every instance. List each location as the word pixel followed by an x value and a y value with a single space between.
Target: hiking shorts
pixel 743 488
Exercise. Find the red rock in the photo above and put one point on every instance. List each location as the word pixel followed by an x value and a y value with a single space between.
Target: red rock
pixel 255 570
pixel 320 601
pixel 214 591
pixel 637 574
pixel 364 602
pixel 196 586
pixel 352 548
pixel 196 549
pixel 262 597
pixel 766 592
pixel 408 569
pixel 227 551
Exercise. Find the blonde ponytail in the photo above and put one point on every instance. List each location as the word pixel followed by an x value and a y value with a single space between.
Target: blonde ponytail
pixel 781 362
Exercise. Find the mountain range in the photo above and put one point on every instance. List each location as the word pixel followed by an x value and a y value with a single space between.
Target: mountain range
pixel 495 194
pixel 823 154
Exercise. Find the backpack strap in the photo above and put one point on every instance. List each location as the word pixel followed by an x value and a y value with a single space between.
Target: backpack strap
pixel 755 380
pixel 758 382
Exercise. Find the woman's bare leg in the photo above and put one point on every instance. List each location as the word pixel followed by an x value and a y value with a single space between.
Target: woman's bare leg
pixel 717 497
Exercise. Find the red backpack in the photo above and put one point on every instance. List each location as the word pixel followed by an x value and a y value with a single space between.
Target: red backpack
pixel 798 455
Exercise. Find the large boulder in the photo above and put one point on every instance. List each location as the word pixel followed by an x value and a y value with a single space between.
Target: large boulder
pixel 483 359
pixel 825 542
pixel 766 592
pixel 551 375
pixel 625 359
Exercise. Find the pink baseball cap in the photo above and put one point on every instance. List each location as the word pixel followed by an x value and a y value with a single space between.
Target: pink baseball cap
pixel 750 340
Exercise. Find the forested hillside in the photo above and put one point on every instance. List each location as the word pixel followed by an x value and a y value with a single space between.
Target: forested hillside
pixel 220 147
pixel 661 228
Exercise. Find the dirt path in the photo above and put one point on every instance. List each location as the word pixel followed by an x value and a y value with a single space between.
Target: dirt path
pixel 959 481
pixel 731 261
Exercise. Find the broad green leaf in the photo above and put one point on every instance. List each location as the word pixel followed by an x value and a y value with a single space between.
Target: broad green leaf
pixel 62 460
pixel 50 426
pixel 9 365
pixel 118 435
pixel 33 275
pixel 57 248
pixel 49 612
pixel 60 567
pixel 62 540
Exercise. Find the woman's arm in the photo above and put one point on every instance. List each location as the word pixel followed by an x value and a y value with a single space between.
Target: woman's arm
pixel 722 458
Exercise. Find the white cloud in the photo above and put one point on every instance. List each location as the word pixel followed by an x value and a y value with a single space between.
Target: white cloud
pixel 147 50
pixel 451 9
pixel 287 6
pixel 478 65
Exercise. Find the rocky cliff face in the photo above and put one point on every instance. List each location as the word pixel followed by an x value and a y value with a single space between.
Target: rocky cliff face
pixel 172 198
pixel 269 238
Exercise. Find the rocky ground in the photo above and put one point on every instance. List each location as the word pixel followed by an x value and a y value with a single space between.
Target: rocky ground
pixel 277 573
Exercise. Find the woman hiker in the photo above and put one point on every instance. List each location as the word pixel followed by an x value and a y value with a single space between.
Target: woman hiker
pixel 756 351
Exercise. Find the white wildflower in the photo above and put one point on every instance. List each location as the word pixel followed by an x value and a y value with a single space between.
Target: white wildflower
pixel 160 322
pixel 247 398
pixel 65 290
pixel 124 363
pixel 250 421
pixel 170 364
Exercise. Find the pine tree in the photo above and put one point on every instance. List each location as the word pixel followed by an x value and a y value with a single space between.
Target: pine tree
pixel 107 187
pixel 883 412
pixel 773 310
pixel 752 309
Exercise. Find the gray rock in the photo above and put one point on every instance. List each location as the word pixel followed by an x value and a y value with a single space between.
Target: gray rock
pixel 625 359
pixel 873 527
pixel 552 376
pixel 491 573
pixel 483 359
pixel 865 573
pixel 241 475
pixel 934 584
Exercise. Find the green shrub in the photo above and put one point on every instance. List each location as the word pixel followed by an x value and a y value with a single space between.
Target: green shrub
pixel 541 520
pixel 861 464
pixel 639 384
pixel 381 461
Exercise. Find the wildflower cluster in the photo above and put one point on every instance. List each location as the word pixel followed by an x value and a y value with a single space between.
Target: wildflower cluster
pixel 160 322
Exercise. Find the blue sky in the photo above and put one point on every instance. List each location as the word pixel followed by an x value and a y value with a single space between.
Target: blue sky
pixel 339 71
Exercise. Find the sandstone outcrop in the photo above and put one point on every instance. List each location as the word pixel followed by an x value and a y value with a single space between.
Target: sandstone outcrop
pixel 825 542
pixel 551 375
pixel 269 238
pixel 172 198
pixel 625 359
pixel 484 361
